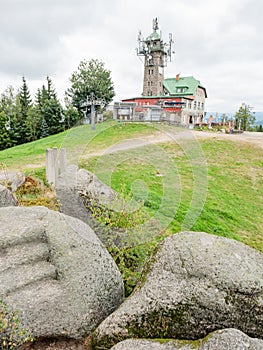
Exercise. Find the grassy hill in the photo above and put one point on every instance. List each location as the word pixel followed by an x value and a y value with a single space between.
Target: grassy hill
pixel 233 199
pixel 210 185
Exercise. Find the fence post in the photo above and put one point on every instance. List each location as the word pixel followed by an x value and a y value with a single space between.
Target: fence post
pixel 52 165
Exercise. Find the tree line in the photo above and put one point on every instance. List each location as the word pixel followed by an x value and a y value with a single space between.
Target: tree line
pixel 23 119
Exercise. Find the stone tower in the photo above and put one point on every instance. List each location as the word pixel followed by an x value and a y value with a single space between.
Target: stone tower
pixel 156 54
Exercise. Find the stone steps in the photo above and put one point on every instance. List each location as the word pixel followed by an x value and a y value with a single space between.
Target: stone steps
pixel 20 254
pixel 17 237
pixel 38 293
pixel 25 274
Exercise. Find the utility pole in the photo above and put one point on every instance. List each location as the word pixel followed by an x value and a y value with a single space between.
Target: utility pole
pixel 92 102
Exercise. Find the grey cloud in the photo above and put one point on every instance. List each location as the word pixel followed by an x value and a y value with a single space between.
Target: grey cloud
pixel 30 31
pixel 48 37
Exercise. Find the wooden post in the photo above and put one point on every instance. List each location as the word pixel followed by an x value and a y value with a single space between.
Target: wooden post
pixel 63 160
pixel 52 165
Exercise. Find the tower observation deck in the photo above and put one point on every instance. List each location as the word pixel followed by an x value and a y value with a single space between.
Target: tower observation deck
pixel 156 55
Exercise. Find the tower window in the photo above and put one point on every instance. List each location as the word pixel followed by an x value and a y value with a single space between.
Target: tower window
pixel 149 71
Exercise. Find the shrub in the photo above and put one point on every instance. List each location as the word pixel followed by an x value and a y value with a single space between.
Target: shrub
pixel 11 333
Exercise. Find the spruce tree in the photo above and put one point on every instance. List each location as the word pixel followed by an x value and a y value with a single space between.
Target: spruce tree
pixel 5 140
pixel 23 114
pixel 50 109
pixel 9 105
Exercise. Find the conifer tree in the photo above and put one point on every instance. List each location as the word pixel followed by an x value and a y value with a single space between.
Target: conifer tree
pixel 9 105
pixel 24 104
pixel 33 124
pixel 5 140
pixel 50 109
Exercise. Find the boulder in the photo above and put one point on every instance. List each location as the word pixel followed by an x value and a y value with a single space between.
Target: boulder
pixel 92 188
pixel 87 184
pixel 55 272
pixel 6 197
pixel 12 179
pixel 196 283
pixel 225 339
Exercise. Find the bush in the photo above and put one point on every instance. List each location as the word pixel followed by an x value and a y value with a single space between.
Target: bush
pixel 11 333
pixel 107 115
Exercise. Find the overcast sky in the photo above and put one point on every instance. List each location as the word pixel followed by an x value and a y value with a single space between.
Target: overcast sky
pixel 220 43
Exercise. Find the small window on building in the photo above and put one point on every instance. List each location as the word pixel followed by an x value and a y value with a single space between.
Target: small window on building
pixel 189 105
pixel 198 105
pixel 202 105
pixel 180 89
pixel 152 71
pixel 194 104
pixel 149 71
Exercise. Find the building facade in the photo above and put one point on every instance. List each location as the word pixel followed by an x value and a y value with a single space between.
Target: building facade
pixel 183 101
pixel 180 100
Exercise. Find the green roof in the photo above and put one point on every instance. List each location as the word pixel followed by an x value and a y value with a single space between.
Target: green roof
pixel 153 36
pixel 182 87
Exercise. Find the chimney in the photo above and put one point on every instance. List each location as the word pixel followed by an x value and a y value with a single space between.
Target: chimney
pixel 177 77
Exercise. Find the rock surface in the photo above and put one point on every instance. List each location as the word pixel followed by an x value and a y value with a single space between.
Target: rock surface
pixel 90 186
pixel 227 339
pixel 55 272
pixel 12 179
pixel 68 196
pixel 74 193
pixel 197 283
pixel 6 197
pixel 86 184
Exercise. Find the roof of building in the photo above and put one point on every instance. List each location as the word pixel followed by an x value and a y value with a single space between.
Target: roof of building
pixel 183 86
pixel 153 36
pixel 163 97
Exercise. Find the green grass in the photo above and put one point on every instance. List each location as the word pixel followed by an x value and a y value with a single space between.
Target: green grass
pixel 165 177
pixel 79 142
pixel 232 199
pixel 209 185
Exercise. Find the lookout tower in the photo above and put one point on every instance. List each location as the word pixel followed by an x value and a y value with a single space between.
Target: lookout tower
pixel 156 54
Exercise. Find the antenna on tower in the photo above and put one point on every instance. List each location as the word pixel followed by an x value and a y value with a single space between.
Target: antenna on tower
pixel 155 52
pixel 170 44
pixel 155 24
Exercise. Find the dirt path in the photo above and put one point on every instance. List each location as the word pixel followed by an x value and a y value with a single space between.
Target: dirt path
pixel 255 138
